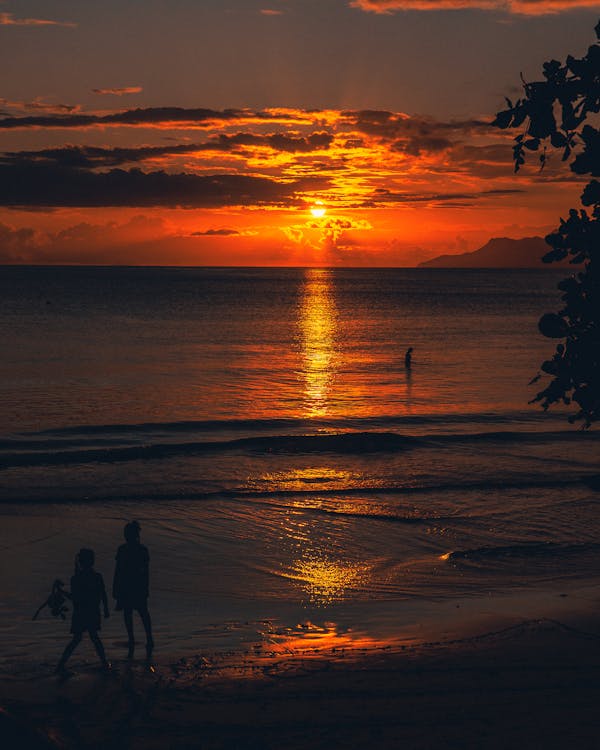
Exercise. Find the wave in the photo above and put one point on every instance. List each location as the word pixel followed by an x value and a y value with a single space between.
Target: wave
pixel 372 491
pixel 291 423
pixel 23 452
pixel 348 442
pixel 526 550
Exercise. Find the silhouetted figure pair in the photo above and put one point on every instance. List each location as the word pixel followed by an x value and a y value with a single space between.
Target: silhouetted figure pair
pixel 130 585
pixel 130 589
pixel 87 593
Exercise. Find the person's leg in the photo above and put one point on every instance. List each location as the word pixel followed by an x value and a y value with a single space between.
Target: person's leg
pixel 147 623
pixel 75 641
pixel 128 617
pixel 98 645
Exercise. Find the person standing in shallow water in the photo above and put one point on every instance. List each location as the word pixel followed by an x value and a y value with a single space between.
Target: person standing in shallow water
pixel 87 593
pixel 408 358
pixel 131 584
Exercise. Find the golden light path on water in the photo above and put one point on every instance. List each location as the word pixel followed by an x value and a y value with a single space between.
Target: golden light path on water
pixel 324 578
pixel 324 575
pixel 317 322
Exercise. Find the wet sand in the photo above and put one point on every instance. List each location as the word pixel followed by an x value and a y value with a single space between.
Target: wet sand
pixel 531 685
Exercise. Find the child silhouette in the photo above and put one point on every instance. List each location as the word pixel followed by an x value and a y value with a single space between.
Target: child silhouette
pixel 87 592
pixel 131 584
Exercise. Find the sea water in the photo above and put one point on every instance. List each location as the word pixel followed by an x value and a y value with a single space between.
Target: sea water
pixel 289 472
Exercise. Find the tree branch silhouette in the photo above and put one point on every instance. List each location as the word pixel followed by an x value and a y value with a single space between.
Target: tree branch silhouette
pixel 561 113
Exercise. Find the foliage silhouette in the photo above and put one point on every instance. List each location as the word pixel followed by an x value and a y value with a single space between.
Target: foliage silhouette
pixel 561 112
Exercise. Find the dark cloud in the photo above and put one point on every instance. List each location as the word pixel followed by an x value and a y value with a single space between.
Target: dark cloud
pixel 281 141
pixel 90 157
pixel 416 145
pixel 313 142
pixel 496 153
pixel 381 197
pixel 199 117
pixel 31 184
pixel 393 125
pixel 216 233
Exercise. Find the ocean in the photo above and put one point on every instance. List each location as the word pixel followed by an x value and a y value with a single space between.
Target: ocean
pixel 292 478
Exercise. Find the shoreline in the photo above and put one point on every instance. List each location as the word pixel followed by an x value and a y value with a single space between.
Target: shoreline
pixel 535 683
pixel 531 685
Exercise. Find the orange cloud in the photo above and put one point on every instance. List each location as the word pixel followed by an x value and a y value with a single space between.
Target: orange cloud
pixel 327 233
pixel 119 91
pixel 39 105
pixel 522 7
pixel 8 19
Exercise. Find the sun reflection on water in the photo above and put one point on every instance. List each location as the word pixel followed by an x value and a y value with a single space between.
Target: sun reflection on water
pixel 298 478
pixel 325 580
pixel 323 575
pixel 317 320
pixel 309 545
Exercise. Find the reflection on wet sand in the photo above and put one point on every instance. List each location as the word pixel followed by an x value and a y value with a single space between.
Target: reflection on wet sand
pixel 271 649
pixel 317 322
pixel 310 639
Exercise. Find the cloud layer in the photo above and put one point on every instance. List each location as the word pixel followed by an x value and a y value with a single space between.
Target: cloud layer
pixel 521 7
pixel 349 158
pixel 234 183
pixel 29 184
pixel 147 117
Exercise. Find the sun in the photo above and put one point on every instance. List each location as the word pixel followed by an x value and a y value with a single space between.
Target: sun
pixel 318 210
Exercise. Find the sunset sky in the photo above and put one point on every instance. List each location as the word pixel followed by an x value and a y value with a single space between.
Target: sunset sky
pixel 275 132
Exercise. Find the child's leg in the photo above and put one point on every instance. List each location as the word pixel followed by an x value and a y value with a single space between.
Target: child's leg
pixel 98 645
pixel 75 641
pixel 147 622
pixel 128 617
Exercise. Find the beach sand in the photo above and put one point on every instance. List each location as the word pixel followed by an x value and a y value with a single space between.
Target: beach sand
pixel 531 685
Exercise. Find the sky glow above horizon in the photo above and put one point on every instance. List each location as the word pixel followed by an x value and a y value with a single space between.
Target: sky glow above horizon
pixel 292 132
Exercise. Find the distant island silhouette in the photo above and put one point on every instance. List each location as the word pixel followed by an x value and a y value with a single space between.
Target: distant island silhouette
pixel 499 252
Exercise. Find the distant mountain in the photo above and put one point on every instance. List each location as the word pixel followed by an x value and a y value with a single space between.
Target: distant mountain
pixel 499 252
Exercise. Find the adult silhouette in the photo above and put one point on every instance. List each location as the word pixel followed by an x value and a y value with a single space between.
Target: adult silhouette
pixel 87 593
pixel 131 583
pixel 408 358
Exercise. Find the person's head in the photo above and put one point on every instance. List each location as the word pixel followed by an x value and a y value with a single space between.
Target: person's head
pixel 86 558
pixel 132 531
